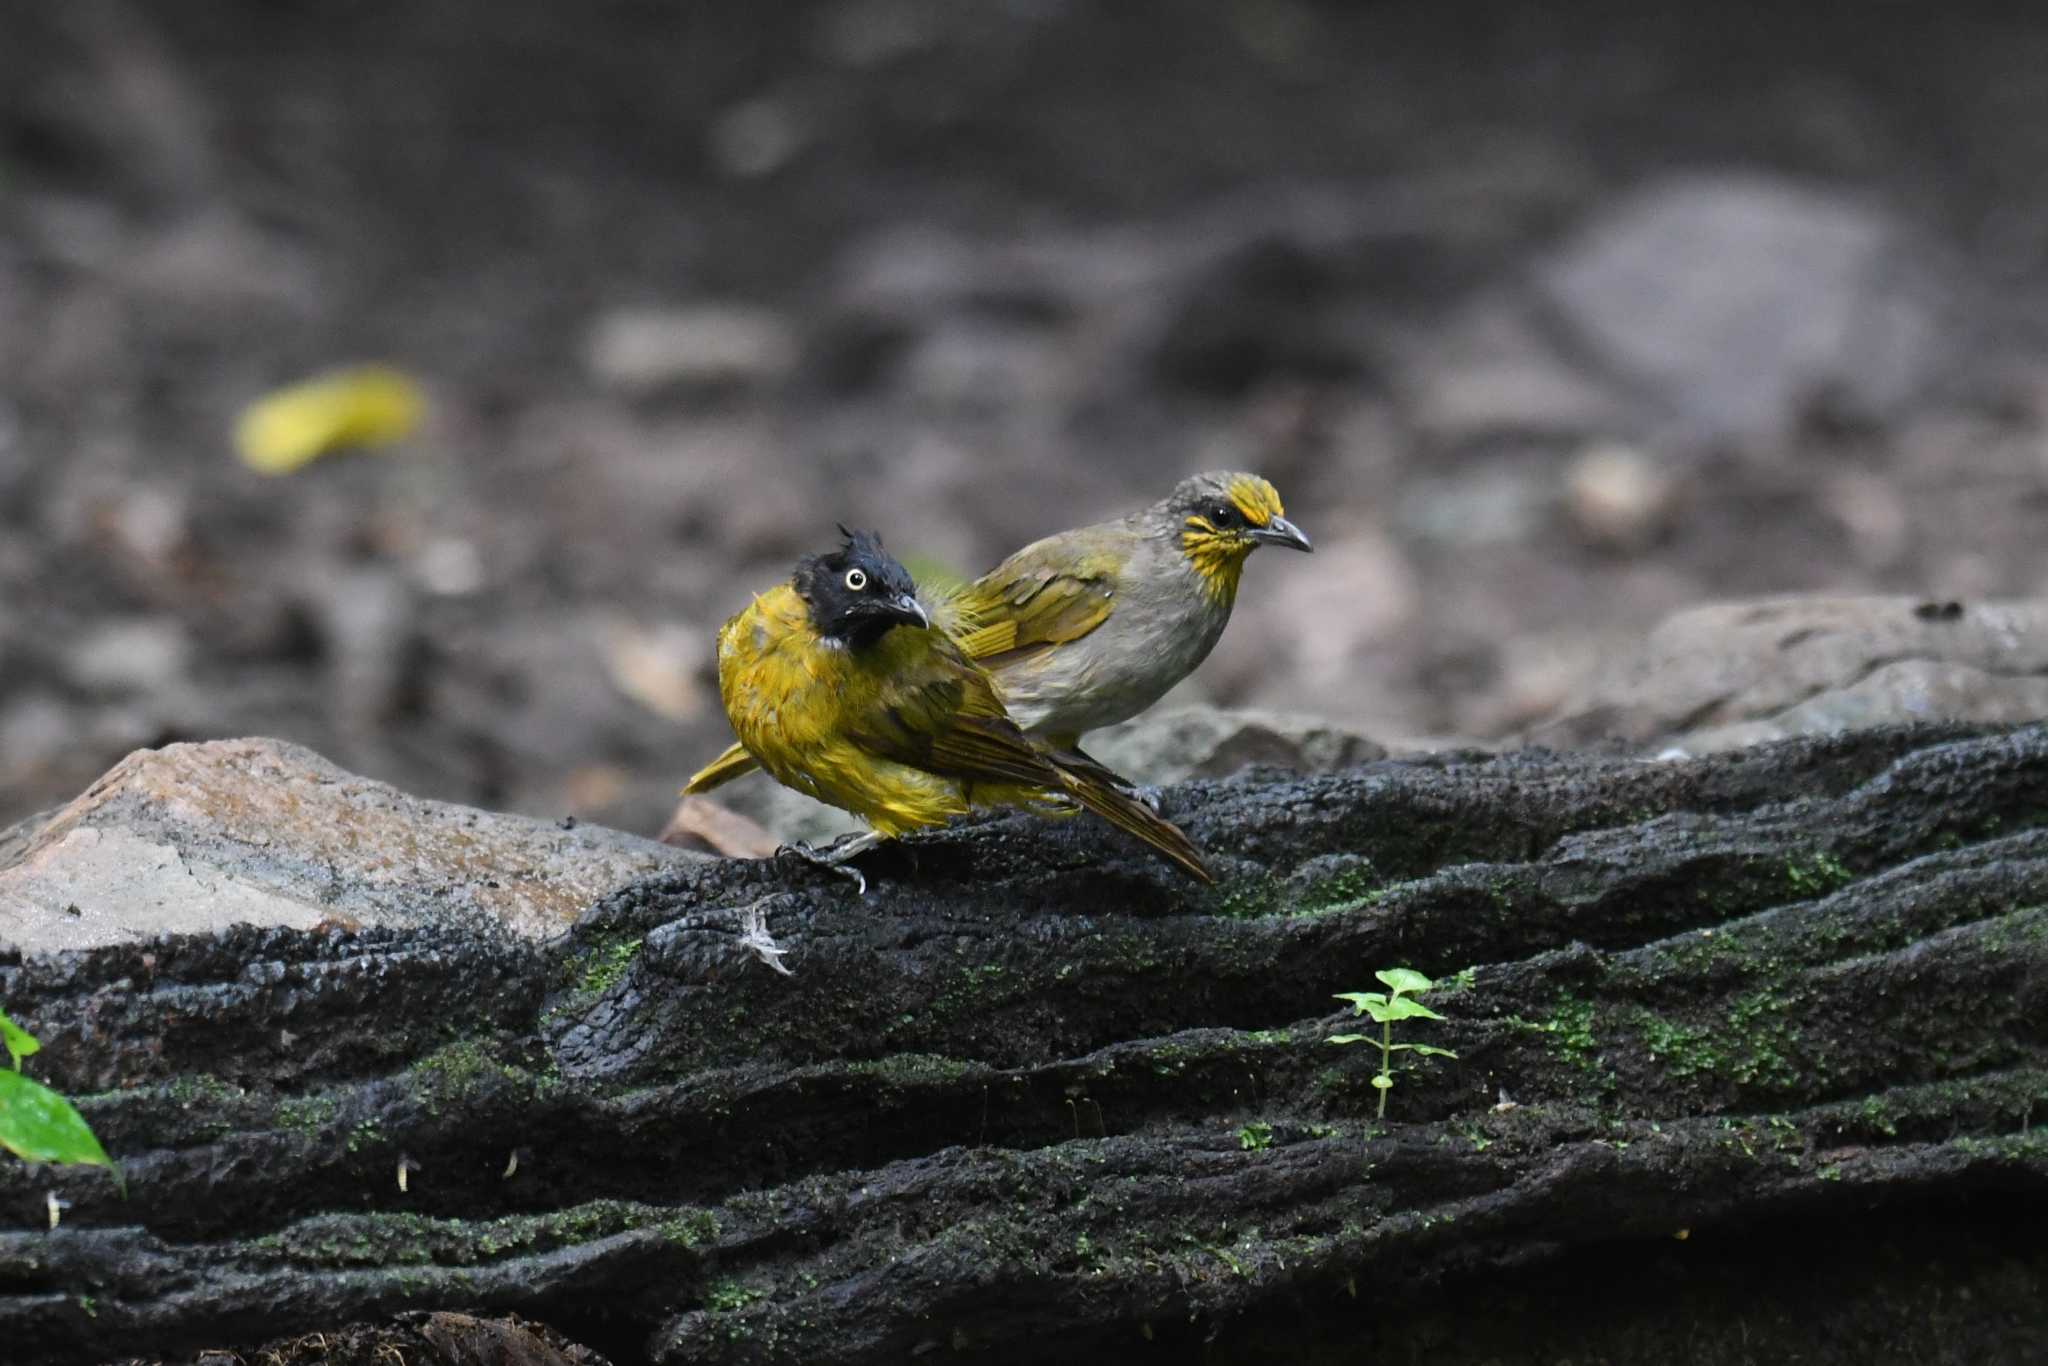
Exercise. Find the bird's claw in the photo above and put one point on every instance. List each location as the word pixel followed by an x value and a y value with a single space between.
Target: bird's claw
pixel 832 861
pixel 1151 795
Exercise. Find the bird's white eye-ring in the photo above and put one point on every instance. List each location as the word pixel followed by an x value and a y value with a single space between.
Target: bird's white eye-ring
pixel 856 579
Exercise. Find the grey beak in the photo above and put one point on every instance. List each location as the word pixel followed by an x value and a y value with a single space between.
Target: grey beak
pixel 1280 531
pixel 908 610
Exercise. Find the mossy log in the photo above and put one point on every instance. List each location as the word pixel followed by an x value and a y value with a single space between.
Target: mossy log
pixel 1038 1092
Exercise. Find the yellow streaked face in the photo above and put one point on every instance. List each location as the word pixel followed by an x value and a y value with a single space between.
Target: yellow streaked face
pixel 1224 518
pixel 1230 514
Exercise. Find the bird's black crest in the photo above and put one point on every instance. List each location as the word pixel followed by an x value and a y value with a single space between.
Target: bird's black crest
pixel 857 592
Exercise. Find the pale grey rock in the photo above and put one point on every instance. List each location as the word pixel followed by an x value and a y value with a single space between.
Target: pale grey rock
pixel 1735 300
pixel 642 350
pixel 1909 690
pixel 1736 673
pixel 130 655
pixel 1171 746
pixel 976 364
pixel 1490 372
pixel 193 838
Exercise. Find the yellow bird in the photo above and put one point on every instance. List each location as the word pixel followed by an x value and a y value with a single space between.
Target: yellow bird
pixel 837 685
pixel 1092 626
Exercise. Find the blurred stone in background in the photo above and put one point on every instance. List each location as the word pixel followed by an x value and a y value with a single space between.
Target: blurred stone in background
pixel 1736 303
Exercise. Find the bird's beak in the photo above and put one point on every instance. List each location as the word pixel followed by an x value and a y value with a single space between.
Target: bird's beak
pixel 905 607
pixel 1280 531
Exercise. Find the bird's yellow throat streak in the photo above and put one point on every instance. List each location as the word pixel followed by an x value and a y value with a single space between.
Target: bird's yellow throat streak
pixel 1218 558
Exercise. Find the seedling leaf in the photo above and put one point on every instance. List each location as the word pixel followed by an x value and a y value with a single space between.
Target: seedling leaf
pixel 41 1126
pixel 1404 979
pixel 1430 1050
pixel 20 1043
pixel 1347 1038
pixel 1400 1008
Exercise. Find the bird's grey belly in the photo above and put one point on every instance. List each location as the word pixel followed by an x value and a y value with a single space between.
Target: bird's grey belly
pixel 1111 674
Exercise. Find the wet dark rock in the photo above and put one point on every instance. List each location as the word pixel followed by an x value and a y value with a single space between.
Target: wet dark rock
pixel 1038 1088
pixel 440 1338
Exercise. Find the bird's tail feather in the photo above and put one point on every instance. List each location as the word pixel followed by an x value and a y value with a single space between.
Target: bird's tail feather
pixel 734 763
pixel 1069 756
pixel 1102 792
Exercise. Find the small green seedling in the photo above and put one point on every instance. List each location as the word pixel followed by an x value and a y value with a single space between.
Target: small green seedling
pixel 1396 1003
pixel 37 1124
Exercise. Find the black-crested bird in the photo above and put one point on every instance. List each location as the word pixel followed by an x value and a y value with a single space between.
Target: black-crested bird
pixel 836 683
pixel 1091 626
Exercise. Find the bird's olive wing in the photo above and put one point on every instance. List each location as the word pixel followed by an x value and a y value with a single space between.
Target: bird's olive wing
pixel 1036 599
pixel 944 718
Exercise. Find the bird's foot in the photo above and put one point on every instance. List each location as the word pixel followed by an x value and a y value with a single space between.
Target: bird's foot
pixel 825 859
pixel 834 859
pixel 1152 795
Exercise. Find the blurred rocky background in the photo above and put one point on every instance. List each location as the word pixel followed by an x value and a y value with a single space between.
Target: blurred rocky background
pixel 1549 322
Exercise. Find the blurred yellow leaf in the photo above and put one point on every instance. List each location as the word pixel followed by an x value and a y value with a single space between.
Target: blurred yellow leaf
pixel 371 406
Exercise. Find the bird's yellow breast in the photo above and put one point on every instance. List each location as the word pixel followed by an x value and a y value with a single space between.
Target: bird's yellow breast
pixel 796 701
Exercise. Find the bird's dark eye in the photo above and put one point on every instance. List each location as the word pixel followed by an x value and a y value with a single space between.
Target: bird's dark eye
pixel 1222 514
pixel 856 579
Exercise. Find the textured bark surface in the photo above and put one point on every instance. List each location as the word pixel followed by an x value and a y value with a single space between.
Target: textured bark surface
pixel 1039 1093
